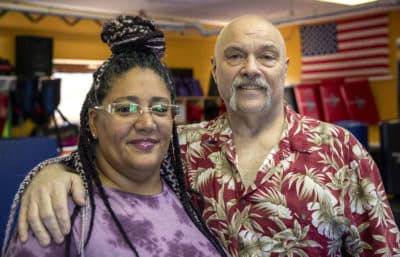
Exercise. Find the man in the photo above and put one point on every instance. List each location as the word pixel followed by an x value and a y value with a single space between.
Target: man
pixel 274 183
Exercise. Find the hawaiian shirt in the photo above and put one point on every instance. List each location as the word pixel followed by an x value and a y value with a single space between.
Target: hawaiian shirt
pixel 317 193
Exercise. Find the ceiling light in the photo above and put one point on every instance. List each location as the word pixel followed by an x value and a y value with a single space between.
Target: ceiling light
pixel 348 2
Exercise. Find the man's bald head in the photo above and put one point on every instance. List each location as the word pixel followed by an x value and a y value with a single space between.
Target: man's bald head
pixel 248 25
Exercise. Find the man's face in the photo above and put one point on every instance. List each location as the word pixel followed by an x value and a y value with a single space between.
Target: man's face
pixel 250 66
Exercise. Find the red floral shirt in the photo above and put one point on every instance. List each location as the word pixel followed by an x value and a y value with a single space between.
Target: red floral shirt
pixel 318 192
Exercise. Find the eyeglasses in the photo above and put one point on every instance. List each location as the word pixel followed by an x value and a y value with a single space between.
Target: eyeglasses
pixel 133 110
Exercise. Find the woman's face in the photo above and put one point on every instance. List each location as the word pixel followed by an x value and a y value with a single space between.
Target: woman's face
pixel 132 146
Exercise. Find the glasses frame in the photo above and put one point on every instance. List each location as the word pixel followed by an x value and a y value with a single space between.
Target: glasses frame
pixel 175 109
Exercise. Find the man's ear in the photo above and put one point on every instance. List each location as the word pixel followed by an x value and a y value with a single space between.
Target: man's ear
pixel 287 61
pixel 214 67
pixel 287 64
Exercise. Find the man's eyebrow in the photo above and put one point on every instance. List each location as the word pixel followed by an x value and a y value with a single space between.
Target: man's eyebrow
pixel 264 47
pixel 269 46
pixel 233 48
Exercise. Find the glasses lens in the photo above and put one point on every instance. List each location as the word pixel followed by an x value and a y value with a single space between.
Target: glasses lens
pixel 161 110
pixel 124 109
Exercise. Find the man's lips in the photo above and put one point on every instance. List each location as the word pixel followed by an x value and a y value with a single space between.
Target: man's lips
pixel 250 87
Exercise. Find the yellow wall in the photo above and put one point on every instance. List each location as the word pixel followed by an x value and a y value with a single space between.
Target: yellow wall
pixel 82 41
pixel 188 50
pixel 191 51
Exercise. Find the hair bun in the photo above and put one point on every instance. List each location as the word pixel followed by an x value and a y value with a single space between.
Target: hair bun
pixel 133 33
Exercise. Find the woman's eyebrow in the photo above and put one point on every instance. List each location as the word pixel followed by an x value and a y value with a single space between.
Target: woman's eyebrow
pixel 159 99
pixel 131 98
pixel 134 98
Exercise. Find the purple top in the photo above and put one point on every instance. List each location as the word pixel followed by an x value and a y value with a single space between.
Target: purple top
pixel 157 225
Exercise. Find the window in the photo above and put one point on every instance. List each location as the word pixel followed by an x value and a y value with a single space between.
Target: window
pixel 74 87
pixel 76 79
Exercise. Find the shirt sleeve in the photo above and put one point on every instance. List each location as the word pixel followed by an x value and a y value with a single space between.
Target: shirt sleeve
pixel 372 217
pixel 32 248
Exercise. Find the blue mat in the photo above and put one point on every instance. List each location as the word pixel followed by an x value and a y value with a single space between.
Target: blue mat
pixel 17 157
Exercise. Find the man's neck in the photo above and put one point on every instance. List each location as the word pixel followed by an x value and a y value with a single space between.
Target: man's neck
pixel 254 138
pixel 254 125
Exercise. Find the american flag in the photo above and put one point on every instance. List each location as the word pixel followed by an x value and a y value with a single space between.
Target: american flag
pixel 351 48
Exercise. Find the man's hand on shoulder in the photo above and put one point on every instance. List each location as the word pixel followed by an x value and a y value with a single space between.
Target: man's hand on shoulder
pixel 44 206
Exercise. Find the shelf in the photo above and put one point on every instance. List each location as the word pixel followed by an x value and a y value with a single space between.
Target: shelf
pixel 199 108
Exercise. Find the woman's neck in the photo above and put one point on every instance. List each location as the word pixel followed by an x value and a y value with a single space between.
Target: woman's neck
pixel 147 186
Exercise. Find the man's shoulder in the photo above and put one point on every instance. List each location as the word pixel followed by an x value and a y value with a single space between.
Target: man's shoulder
pixel 195 131
pixel 309 132
pixel 310 124
pixel 189 130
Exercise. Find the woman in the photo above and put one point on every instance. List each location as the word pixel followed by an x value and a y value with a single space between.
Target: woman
pixel 126 126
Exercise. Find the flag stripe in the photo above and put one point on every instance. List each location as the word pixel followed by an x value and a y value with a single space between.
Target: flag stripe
pixel 348 73
pixel 364 44
pixel 344 59
pixel 366 53
pixel 378 32
pixel 360 48
pixel 357 19
pixel 369 62
pixel 365 23
pixel 377 36
pixel 337 69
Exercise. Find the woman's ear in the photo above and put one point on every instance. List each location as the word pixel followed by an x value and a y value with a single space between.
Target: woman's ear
pixel 92 117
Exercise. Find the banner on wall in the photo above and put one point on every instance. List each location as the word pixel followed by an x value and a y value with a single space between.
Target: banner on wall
pixel 351 48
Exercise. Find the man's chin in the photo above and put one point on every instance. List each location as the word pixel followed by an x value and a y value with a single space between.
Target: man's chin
pixel 252 109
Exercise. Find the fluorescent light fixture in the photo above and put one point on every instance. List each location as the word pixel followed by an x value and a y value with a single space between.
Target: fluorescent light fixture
pixel 348 2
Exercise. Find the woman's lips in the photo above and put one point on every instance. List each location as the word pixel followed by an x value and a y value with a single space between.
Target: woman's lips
pixel 144 144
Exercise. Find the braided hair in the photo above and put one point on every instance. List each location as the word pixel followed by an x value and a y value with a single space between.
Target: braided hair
pixel 134 42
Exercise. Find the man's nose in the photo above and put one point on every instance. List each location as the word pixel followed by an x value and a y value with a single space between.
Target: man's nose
pixel 251 67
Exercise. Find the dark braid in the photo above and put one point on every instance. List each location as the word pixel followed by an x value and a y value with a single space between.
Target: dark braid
pixel 134 42
pixel 86 149
pixel 186 190
pixel 104 197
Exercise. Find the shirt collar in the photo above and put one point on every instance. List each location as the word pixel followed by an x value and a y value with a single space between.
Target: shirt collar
pixel 218 132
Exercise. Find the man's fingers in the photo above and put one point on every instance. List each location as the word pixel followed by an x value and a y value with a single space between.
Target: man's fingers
pixel 77 190
pixel 48 216
pixel 36 225
pixel 23 220
pixel 60 205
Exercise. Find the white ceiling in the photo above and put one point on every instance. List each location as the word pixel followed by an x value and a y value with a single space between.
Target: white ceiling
pixel 216 12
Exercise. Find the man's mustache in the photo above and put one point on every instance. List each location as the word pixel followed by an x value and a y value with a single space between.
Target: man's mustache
pixel 245 81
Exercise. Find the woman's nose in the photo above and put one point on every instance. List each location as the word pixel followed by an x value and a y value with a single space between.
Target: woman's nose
pixel 145 120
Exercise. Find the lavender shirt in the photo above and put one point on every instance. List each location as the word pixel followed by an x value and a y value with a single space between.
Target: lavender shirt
pixel 157 226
